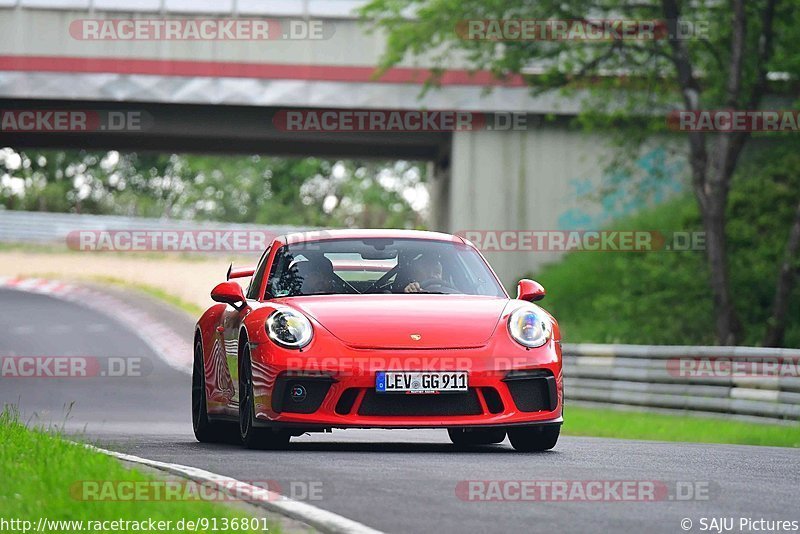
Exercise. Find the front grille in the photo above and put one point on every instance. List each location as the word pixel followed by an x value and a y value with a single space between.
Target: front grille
pixel 533 391
pixel 398 404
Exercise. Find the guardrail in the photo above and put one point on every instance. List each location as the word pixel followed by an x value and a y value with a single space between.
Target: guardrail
pixel 740 381
pixel 45 227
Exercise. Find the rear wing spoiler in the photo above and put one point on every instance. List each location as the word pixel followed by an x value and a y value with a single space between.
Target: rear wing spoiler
pixel 242 272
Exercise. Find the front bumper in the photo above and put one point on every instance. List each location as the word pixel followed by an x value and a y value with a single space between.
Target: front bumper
pixel 339 392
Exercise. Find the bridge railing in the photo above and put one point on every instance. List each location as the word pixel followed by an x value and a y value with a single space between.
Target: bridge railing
pixel 740 381
pixel 294 8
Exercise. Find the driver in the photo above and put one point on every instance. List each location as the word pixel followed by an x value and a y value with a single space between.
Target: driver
pixel 424 269
pixel 315 276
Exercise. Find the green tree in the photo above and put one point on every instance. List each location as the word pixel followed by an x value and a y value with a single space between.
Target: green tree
pixel 725 62
pixel 251 189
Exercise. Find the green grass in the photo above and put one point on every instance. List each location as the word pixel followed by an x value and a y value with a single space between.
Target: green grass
pixel 581 421
pixel 40 248
pixel 43 476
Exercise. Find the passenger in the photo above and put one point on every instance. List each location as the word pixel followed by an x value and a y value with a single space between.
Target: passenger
pixel 314 276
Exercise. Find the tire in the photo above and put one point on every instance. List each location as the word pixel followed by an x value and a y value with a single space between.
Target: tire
pixel 206 431
pixel 478 436
pixel 255 437
pixel 534 438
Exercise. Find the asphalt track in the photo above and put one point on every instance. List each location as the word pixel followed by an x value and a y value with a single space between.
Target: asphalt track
pixel 396 481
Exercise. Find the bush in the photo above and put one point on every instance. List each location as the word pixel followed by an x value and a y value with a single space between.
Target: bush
pixel 663 297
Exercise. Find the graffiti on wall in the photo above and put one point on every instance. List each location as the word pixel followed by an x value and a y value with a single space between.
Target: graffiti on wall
pixel 656 177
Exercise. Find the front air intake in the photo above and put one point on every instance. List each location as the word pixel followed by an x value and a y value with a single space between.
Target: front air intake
pixel 533 391
pixel 346 400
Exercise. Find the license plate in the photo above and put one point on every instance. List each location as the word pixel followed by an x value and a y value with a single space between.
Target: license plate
pixel 420 382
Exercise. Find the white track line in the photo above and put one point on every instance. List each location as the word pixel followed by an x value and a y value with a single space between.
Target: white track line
pixel 318 518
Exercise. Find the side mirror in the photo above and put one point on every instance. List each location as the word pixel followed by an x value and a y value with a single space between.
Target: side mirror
pixel 228 293
pixel 530 290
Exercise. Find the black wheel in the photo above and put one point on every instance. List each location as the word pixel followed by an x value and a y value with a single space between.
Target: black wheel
pixel 204 430
pixel 255 437
pixel 534 438
pixel 476 436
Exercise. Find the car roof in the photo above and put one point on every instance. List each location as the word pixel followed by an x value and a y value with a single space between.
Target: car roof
pixel 320 235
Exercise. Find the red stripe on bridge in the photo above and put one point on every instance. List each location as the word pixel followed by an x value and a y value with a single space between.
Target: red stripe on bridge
pixel 266 71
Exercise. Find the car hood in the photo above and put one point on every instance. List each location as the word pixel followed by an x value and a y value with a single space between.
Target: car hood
pixel 390 321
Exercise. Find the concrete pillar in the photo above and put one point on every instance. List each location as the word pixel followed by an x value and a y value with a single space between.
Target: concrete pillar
pixel 538 179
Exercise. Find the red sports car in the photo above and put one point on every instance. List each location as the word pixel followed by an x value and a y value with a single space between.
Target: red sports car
pixel 376 329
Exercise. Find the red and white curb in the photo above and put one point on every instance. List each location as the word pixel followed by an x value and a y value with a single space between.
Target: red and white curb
pixel 318 518
pixel 36 285
pixel 174 349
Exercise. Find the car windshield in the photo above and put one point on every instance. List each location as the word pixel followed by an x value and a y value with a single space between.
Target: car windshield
pixel 376 265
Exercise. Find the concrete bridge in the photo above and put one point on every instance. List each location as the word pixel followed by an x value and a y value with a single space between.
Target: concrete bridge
pixel 230 94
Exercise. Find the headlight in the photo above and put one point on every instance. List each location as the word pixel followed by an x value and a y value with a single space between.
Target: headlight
pixel 529 327
pixel 289 329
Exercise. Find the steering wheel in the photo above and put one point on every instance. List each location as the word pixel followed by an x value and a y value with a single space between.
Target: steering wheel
pixel 436 284
pixel 382 282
